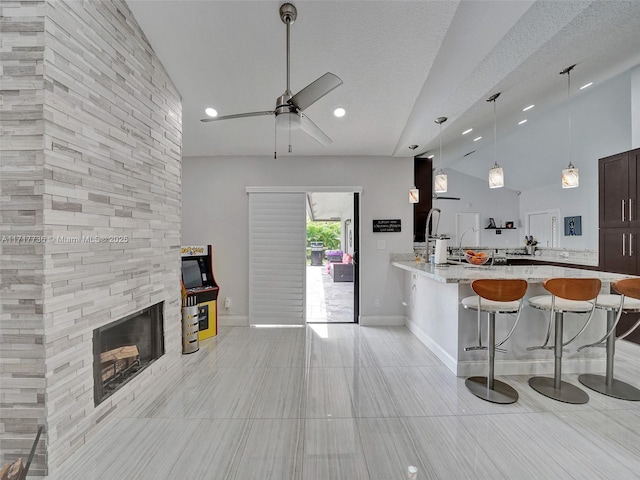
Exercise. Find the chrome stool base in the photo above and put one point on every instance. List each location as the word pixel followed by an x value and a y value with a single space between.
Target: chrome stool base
pixel 615 389
pixel 567 392
pixel 500 393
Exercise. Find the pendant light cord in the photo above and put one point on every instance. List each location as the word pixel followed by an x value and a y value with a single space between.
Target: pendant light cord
pixel 569 108
pixel 495 135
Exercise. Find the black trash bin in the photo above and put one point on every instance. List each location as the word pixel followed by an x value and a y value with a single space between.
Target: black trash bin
pixel 316 253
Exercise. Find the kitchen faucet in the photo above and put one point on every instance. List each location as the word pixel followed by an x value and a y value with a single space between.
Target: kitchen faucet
pixel 426 230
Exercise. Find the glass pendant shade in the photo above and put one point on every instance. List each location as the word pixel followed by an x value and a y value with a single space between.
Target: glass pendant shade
pixel 570 177
pixel 496 177
pixel 441 182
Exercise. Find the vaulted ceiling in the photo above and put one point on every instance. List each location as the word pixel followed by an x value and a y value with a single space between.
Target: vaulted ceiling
pixel 403 63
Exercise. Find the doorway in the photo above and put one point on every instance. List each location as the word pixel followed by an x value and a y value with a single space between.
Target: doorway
pixel 332 294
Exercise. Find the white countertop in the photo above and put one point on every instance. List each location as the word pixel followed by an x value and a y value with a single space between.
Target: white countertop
pixel 531 273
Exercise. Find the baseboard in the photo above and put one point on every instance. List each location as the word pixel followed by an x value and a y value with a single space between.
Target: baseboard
pixel 233 321
pixel 532 367
pixel 382 321
pixel 444 356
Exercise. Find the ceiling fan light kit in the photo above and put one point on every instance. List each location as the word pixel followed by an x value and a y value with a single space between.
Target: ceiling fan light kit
pixel 289 110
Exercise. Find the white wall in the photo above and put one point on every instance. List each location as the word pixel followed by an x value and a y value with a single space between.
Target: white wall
pixel 600 126
pixel 215 211
pixel 635 107
pixel 476 197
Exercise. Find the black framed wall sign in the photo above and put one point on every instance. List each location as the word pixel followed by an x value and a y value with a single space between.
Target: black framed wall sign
pixel 394 225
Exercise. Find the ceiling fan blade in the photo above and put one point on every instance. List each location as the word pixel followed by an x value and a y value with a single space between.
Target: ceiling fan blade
pixel 438 197
pixel 311 129
pixel 238 115
pixel 315 90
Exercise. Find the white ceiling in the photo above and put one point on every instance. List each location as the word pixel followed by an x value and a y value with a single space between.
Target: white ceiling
pixel 403 63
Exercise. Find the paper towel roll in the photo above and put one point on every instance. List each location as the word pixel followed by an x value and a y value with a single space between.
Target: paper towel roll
pixel 441 251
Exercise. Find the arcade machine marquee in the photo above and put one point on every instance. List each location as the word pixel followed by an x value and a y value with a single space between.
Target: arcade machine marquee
pixel 199 287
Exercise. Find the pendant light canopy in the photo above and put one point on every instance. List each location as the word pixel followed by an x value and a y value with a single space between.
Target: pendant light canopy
pixel 441 177
pixel 496 174
pixel 570 175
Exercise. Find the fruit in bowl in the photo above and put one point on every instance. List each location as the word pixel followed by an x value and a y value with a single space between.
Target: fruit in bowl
pixel 476 258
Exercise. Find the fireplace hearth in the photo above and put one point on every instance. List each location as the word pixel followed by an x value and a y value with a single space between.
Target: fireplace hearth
pixel 124 348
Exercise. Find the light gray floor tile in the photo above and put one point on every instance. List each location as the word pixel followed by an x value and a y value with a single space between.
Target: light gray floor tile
pixel 447 450
pixel 328 394
pixel 279 394
pixel 339 352
pixel 333 450
pixel 388 448
pixel 370 395
pixel 414 394
pixel 270 452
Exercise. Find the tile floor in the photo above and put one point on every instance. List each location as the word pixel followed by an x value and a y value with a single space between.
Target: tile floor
pixel 332 402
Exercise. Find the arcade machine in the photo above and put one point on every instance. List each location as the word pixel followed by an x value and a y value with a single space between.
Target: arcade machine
pixel 199 288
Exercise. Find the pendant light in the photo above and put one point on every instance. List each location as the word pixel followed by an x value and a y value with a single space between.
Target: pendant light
pixel 570 175
pixel 496 175
pixel 441 177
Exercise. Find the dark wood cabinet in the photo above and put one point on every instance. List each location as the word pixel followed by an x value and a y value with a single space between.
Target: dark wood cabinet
pixel 423 178
pixel 619 180
pixel 619 192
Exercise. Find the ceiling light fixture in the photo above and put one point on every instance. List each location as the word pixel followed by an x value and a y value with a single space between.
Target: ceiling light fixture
pixel 477 138
pixel 585 86
pixel 212 112
pixel 441 177
pixel 528 108
pixel 467 131
pixel 430 157
pixel 496 175
pixel 570 175
pixel 339 112
pixel 522 122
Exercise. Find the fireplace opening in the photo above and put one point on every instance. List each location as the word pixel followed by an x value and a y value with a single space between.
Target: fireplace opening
pixel 124 348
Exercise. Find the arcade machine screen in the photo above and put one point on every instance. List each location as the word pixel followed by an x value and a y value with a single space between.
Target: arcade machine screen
pixel 191 274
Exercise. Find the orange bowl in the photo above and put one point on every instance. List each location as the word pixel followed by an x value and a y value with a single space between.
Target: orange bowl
pixel 476 258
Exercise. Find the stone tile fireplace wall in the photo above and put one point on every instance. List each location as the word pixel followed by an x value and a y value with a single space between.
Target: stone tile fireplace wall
pixel 90 170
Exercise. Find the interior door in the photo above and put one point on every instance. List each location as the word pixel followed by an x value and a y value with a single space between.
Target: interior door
pixel 356 257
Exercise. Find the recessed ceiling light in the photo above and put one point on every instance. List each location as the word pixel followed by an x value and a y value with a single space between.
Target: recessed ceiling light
pixel 339 112
pixel 430 157
pixel 212 112
pixel 587 85
pixel 528 108
pixel 476 139
pixel 522 121
pixel 467 131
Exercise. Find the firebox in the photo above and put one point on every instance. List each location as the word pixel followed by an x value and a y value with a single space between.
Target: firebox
pixel 122 349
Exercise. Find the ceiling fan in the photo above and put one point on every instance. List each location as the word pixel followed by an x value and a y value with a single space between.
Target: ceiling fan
pixel 289 108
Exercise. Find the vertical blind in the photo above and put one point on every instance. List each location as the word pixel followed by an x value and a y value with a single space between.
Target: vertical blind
pixel 277 258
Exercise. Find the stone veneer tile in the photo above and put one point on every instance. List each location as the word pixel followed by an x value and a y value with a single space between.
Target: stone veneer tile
pixel 91 147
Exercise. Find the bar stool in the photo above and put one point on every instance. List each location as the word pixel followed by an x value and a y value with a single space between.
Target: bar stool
pixel 494 296
pixel 628 302
pixel 568 295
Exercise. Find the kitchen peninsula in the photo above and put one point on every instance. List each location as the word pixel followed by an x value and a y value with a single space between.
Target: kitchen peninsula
pixel 434 314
